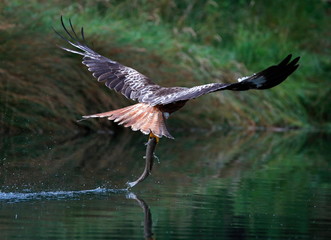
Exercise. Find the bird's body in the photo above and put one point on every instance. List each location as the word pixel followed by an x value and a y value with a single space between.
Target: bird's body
pixel 156 103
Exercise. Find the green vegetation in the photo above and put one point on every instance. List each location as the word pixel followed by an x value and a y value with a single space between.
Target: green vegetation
pixel 174 42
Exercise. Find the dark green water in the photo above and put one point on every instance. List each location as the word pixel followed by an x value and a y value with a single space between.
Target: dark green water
pixel 223 185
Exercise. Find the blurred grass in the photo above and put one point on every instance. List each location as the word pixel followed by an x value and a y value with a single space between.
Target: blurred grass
pixel 174 42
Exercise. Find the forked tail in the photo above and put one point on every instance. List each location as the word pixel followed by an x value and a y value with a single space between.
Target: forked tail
pixel 148 119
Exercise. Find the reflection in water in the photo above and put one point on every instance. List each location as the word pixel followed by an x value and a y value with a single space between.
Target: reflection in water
pixel 17 197
pixel 148 222
pixel 234 185
pixel 55 162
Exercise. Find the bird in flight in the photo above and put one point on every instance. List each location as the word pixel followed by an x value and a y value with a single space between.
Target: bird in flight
pixel 157 103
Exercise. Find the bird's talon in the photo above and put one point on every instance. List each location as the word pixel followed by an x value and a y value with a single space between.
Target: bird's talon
pixel 151 135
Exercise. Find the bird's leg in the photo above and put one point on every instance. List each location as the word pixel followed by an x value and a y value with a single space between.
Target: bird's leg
pixel 149 160
pixel 151 135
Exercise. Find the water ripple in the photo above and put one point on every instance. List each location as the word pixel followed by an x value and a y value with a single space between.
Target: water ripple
pixel 49 195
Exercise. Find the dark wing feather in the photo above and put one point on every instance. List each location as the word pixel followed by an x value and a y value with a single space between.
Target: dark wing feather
pixel 265 79
pixel 116 76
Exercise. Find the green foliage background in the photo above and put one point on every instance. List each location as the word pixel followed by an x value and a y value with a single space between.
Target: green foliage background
pixel 184 43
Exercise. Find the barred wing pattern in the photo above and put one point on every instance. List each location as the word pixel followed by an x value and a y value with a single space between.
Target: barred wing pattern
pixel 265 79
pixel 136 86
pixel 116 76
pixel 125 80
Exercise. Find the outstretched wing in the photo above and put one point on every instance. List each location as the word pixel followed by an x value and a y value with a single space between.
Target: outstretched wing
pixel 116 76
pixel 136 86
pixel 265 79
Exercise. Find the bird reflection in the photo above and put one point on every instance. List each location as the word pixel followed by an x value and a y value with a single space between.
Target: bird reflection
pixel 147 215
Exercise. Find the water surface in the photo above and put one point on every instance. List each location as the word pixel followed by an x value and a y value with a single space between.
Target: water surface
pixel 221 185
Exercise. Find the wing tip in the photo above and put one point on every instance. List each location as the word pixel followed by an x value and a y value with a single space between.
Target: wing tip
pixel 287 61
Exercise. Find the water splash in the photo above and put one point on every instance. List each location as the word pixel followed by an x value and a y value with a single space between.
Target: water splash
pixel 53 195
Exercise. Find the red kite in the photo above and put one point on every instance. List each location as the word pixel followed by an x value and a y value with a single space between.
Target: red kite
pixel 157 103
